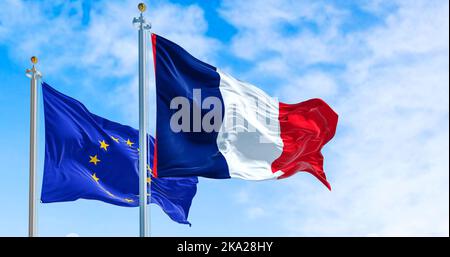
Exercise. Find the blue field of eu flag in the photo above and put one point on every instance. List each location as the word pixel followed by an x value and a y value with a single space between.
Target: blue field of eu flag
pixel 89 157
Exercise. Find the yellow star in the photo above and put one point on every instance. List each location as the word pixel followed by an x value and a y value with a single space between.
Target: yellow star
pixel 94 177
pixel 129 143
pixel 128 200
pixel 103 145
pixel 149 179
pixel 115 139
pixel 94 159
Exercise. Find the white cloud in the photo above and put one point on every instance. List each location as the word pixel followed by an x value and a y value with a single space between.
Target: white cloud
pixel 273 24
pixel 388 164
pixel 26 27
pixel 102 50
pixel 309 85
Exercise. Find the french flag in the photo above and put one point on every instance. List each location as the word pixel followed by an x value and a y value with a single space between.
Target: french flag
pixel 212 125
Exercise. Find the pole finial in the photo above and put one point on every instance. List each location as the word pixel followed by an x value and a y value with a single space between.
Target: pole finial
pixel 142 7
pixel 34 59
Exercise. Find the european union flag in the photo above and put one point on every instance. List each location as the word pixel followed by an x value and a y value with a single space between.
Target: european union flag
pixel 87 156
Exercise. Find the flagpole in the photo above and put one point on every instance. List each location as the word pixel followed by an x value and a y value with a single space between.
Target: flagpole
pixel 143 27
pixel 34 75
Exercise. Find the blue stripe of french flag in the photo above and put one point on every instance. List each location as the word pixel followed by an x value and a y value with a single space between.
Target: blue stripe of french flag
pixel 212 125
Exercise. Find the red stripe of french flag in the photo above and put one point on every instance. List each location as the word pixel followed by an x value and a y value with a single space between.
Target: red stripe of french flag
pixel 305 128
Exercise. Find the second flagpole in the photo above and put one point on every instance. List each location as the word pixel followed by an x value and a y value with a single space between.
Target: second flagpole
pixel 143 28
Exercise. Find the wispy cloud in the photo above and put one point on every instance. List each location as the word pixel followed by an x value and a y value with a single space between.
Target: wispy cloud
pixel 92 48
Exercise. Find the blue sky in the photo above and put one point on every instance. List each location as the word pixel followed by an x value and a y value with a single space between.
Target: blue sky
pixel 382 65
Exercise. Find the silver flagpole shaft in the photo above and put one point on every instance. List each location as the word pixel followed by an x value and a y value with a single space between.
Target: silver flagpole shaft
pixel 34 75
pixel 143 27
